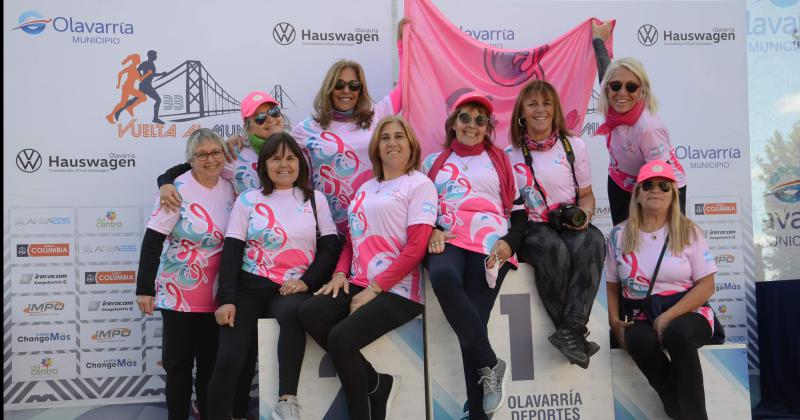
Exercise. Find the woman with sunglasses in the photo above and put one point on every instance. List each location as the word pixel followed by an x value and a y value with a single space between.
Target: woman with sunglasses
pixel 661 256
pixel 634 134
pixel 261 118
pixel 180 279
pixel 280 244
pixel 336 138
pixel 470 248
pixel 377 284
pixel 564 248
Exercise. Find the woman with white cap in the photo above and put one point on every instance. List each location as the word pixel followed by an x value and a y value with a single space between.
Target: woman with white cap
pixel 659 277
pixel 480 223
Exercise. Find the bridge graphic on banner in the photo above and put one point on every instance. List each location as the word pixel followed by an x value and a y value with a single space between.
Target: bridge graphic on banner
pixel 204 95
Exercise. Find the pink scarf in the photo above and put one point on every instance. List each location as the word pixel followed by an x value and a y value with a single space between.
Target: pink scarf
pixel 541 146
pixel 614 119
pixel 499 159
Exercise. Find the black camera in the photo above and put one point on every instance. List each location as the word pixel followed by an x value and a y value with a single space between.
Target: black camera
pixel 566 214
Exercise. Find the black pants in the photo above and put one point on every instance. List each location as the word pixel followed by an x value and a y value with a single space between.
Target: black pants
pixel 241 400
pixel 189 338
pixel 343 335
pixel 235 344
pixel 458 278
pixel 619 199
pixel 568 266
pixel 677 380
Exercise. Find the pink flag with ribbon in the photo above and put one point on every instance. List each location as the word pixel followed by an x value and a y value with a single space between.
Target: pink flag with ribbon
pixel 440 63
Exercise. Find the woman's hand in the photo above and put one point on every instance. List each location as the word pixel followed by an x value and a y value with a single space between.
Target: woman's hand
pixel 400 25
pixel 225 315
pixel 290 287
pixel 618 327
pixel 146 303
pixel 501 251
pixel 661 323
pixel 338 281
pixel 361 298
pixel 169 198
pixel 233 144
pixel 602 31
pixel 437 240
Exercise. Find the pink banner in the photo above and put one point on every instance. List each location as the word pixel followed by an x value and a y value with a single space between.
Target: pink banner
pixel 441 63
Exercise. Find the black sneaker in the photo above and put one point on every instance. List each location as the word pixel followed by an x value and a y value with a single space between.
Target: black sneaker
pixel 571 345
pixel 380 401
pixel 591 348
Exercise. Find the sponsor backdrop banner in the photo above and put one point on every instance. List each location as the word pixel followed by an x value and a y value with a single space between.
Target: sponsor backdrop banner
pixel 82 152
pixel 79 184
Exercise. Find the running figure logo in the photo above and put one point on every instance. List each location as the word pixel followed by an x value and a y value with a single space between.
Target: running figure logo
pixel 144 73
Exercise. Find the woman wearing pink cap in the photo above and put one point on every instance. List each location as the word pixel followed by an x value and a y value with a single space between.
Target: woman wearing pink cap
pixel 180 279
pixel 659 277
pixel 377 285
pixel 634 134
pixel 261 118
pixel 480 222
pixel 564 248
pixel 336 138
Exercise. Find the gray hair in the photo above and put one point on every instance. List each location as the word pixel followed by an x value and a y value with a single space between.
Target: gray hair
pixel 199 136
pixel 637 68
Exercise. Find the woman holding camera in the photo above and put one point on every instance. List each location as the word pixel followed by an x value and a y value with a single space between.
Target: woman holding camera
pixel 470 248
pixel 565 249
pixel 660 271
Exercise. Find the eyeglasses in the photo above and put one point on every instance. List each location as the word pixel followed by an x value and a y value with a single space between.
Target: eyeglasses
pixel 202 157
pixel 354 85
pixel 274 112
pixel 616 86
pixel 664 185
pixel 480 120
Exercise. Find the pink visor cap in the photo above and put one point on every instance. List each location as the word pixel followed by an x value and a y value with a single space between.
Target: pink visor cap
pixel 474 97
pixel 253 100
pixel 656 169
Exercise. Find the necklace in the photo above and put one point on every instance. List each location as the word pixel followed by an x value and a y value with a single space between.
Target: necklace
pixel 464 165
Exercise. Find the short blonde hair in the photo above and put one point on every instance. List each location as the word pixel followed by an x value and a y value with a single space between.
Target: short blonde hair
pixel 637 68
pixel 199 136
pixel 374 152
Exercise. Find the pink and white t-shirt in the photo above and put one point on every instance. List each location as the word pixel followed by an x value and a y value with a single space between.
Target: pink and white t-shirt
pixel 380 215
pixel 470 206
pixel 339 158
pixel 631 146
pixel 187 275
pixel 279 231
pixel 554 174
pixel 678 273
pixel 242 171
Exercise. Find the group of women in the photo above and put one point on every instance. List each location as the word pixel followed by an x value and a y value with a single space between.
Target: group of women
pixel 325 229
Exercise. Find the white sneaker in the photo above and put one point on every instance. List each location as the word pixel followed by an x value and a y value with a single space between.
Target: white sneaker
pixel 288 409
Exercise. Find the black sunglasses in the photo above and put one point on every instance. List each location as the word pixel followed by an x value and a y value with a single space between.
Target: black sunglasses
pixel 354 85
pixel 480 120
pixel 664 185
pixel 616 86
pixel 273 112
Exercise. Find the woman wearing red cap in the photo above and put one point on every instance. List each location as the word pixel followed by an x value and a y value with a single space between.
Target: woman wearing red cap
pixel 470 248
pixel 659 277
pixel 635 135
pixel 564 248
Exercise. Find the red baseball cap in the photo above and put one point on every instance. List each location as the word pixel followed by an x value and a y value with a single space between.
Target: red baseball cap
pixel 474 96
pixel 656 169
pixel 253 100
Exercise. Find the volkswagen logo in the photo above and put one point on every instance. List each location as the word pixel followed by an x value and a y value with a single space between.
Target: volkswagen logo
pixel 29 160
pixel 647 35
pixel 283 33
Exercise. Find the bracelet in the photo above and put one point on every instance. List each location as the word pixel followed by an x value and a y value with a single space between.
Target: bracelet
pixel 373 289
pixel 589 213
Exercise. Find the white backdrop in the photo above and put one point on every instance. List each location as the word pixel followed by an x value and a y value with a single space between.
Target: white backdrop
pixel 73 224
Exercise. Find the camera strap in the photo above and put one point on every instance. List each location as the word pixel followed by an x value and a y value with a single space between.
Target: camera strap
pixel 570 158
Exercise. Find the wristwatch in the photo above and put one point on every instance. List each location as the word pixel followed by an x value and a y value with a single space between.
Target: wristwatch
pixel 374 288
